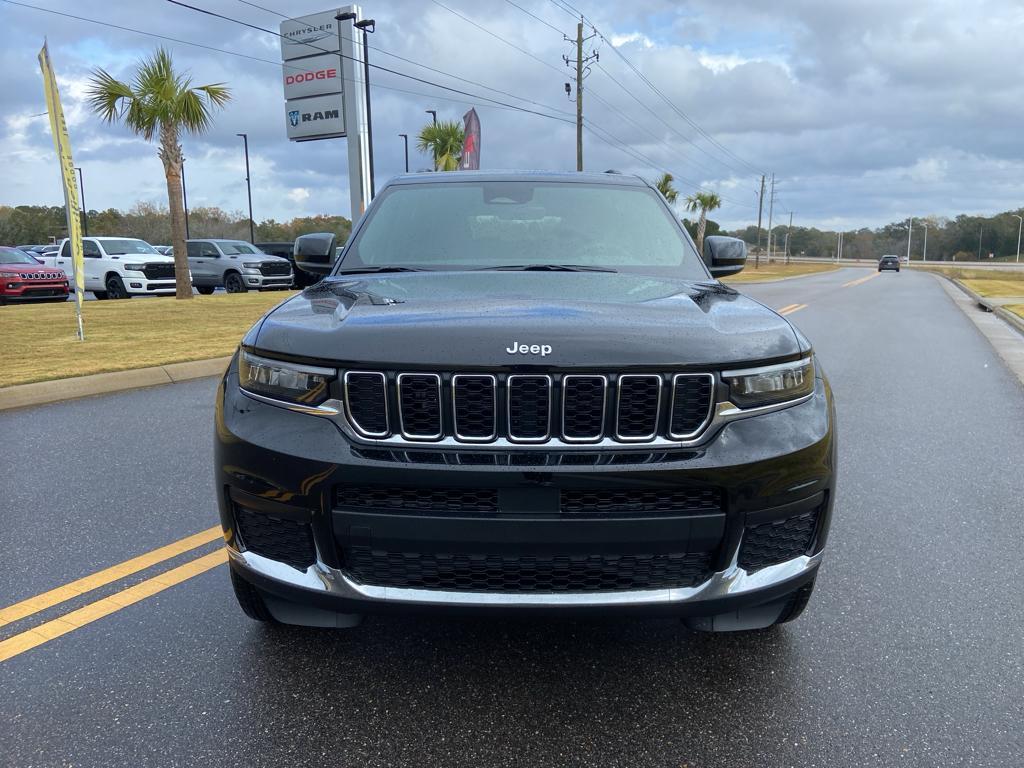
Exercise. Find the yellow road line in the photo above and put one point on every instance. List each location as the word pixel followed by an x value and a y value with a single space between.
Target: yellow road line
pixel 792 308
pixel 77 619
pixel 787 308
pixel 58 595
pixel 860 280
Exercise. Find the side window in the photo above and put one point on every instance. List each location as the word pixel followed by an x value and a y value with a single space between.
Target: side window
pixel 209 249
pixel 193 249
pixel 65 250
pixel 90 250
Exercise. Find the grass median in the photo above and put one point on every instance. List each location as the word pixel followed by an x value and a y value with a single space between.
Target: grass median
pixel 39 341
pixel 777 271
pixel 989 283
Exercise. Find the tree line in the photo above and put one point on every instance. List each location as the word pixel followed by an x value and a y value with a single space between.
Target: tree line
pixel 961 238
pixel 39 224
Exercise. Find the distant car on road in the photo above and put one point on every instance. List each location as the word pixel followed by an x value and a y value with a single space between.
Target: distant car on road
pixel 286 250
pixel 889 262
pixel 237 266
pixel 118 267
pixel 23 278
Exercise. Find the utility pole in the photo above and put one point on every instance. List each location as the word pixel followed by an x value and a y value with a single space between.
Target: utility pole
pixel 771 209
pixel 405 138
pixel 910 231
pixel 582 70
pixel 184 194
pixel 839 246
pixel 760 208
pixel 1019 228
pixel 980 230
pixel 248 186
pixel 787 235
pixel 924 256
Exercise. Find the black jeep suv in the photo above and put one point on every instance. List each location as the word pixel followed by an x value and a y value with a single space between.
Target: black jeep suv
pixel 524 392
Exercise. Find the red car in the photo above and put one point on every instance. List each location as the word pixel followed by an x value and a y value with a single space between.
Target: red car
pixel 22 278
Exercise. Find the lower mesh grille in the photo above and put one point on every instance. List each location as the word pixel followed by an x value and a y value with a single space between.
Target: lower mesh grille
pixel 777 541
pixel 640 501
pixel 285 541
pixel 429 500
pixel 526 573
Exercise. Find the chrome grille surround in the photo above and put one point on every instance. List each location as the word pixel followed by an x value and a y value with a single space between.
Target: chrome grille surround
pixel 520 379
pixel 676 381
pixel 457 379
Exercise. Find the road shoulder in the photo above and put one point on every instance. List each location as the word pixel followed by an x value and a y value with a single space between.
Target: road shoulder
pixel 1005 338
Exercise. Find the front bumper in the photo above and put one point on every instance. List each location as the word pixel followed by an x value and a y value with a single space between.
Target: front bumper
pixel 143 287
pixel 260 281
pixel 32 290
pixel 289 466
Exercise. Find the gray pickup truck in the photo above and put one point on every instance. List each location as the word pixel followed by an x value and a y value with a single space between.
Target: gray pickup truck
pixel 236 265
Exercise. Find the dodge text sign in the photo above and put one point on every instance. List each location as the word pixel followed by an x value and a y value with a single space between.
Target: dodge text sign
pixel 315 117
pixel 315 76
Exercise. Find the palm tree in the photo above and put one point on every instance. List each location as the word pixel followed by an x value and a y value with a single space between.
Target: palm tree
pixel 703 202
pixel 444 141
pixel 160 101
pixel 665 186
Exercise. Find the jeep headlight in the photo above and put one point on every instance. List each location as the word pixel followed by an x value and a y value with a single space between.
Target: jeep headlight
pixel 770 384
pixel 135 267
pixel 294 383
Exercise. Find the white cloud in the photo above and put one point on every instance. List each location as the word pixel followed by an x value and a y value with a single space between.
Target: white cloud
pixel 299 194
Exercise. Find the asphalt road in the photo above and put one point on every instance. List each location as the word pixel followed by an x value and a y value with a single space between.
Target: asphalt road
pixel 911 652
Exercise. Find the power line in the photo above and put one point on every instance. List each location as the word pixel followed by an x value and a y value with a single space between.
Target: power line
pixel 535 16
pixel 425 66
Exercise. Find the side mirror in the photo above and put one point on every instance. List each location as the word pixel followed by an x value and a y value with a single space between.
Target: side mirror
pixel 724 255
pixel 315 253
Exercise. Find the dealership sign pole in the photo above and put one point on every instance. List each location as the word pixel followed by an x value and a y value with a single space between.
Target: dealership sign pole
pixel 62 143
pixel 324 89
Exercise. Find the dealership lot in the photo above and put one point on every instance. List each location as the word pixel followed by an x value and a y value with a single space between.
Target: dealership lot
pixel 910 652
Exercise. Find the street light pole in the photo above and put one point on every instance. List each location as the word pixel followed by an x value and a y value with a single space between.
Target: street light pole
pixel 981 230
pixel 432 113
pixel 405 137
pixel 248 187
pixel 184 195
pixel 1019 228
pixel 85 211
pixel 925 256
pixel 910 232
pixel 372 25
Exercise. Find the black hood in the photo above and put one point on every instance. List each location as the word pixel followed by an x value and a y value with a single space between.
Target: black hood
pixel 452 320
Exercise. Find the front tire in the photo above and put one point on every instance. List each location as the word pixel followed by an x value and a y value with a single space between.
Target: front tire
pixel 233 283
pixel 115 288
pixel 100 295
pixel 250 600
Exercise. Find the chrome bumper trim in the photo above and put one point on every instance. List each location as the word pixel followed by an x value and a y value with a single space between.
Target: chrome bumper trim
pixel 732 582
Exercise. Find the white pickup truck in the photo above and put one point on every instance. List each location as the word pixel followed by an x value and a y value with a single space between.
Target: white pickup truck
pixel 118 267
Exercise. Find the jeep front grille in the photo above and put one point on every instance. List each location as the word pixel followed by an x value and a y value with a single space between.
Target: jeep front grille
pixel 570 409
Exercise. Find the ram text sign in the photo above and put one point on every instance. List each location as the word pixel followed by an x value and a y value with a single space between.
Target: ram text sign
pixel 315 117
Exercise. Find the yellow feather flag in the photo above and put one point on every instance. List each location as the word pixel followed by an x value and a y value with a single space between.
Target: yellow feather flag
pixel 62 143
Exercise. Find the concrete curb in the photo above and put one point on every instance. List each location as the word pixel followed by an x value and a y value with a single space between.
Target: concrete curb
pixel 42 392
pixel 1000 312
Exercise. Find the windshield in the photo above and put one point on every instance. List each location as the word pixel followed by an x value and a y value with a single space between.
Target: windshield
pixel 480 225
pixel 125 247
pixel 231 247
pixel 15 256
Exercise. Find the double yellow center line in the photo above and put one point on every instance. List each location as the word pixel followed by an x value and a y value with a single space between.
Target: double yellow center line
pixel 76 619
pixel 788 310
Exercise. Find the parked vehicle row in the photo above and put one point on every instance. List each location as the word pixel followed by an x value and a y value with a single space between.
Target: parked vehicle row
pixel 122 267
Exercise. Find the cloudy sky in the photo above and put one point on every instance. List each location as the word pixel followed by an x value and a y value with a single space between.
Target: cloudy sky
pixel 866 111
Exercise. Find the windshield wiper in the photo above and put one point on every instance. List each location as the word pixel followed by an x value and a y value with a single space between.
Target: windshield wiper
pixel 549 268
pixel 391 268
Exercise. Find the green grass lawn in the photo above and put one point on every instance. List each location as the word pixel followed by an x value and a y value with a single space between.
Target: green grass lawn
pixel 990 283
pixel 1017 309
pixel 40 343
pixel 777 271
